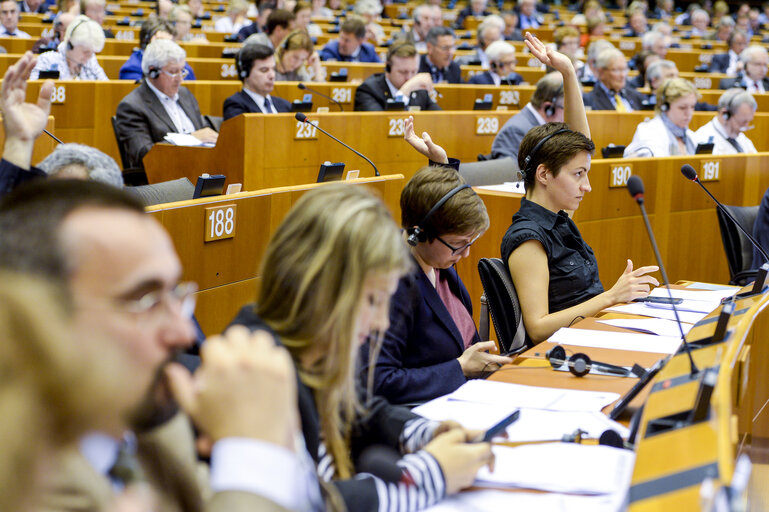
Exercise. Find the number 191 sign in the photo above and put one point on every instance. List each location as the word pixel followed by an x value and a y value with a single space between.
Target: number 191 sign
pixel 220 222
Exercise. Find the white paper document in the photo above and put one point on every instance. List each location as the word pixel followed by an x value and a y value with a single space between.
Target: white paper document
pixel 508 186
pixel 700 295
pixel 560 467
pixel 658 326
pixel 502 501
pixel 668 314
pixel 509 396
pixel 616 340
pixel 532 425
pixel 185 139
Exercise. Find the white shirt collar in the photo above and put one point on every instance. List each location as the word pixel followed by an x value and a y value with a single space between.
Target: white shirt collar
pixel 495 78
pixel 100 450
pixel 161 95
pixel 258 99
pixel 540 119
pixel 393 89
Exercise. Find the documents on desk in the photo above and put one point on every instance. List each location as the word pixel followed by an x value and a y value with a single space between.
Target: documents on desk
pixel 668 314
pixel 616 340
pixel 508 186
pixel 185 139
pixel 533 425
pixel 496 501
pixel 657 326
pixel 560 467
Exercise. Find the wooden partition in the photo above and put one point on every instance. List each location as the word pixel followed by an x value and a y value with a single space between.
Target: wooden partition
pixel 226 270
pixel 43 145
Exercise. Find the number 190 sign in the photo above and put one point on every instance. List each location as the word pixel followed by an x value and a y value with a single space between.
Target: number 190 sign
pixel 220 222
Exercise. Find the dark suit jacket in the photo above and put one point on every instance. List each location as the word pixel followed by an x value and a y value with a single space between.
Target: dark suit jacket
pixel 40 10
pixel 142 121
pixel 418 360
pixel 509 138
pixel 486 79
pixel 373 93
pixel 464 13
pixel 11 176
pixel 597 99
pixel 242 103
pixel 719 63
pixel 452 74
pixel 728 83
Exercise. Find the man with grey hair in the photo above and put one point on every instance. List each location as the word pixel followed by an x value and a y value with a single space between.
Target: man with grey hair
pixel 502 63
pixel 655 42
pixel 736 108
pixel 729 62
pixel 755 61
pixel 700 23
pixel 486 33
pixel 611 91
pixel 588 74
pixel 439 59
pixel 546 106
pixel 159 105
pixel 82 162
pixel 426 16
pixel 662 70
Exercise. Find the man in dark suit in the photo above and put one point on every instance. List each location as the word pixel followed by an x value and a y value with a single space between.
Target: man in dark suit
pixel 349 47
pixel 256 69
pixel 439 59
pixel 753 79
pixel 33 6
pixel 502 63
pixel 486 33
pixel 729 62
pixel 425 16
pixel 159 105
pixel 400 83
pixel 546 106
pixel 527 15
pixel 611 91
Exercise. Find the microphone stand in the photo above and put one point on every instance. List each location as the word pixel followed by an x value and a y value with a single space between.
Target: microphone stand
pixel 303 118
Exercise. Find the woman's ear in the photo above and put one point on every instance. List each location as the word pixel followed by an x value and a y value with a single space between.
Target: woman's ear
pixel 540 175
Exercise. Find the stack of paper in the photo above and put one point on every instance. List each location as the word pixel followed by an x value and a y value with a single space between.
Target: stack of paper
pixel 617 340
pixel 498 501
pixel 656 326
pixel 668 314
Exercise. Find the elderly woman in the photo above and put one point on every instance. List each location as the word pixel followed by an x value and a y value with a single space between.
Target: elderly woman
pixel 181 19
pixel 370 11
pixel 296 60
pixel 668 133
pixel 235 18
pixel 75 58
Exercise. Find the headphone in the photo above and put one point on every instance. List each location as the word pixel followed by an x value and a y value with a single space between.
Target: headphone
pixel 390 52
pixel 528 165
pixel 580 364
pixel 665 106
pixel 728 113
pixel 242 71
pixel 153 72
pixel 418 233
pixel 550 109
pixel 70 46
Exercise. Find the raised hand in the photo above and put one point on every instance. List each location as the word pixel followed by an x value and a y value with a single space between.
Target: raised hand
pixel 24 121
pixel 546 55
pixel 424 144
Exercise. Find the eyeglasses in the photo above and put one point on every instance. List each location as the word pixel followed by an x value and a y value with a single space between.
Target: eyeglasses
pixel 149 305
pixel 179 74
pixel 446 48
pixel 457 250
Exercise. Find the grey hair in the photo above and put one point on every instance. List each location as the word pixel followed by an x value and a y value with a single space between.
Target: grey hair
pixel 699 13
pixel 83 31
pixel 435 32
pixel 604 58
pixel 597 47
pixel 662 28
pixel 725 21
pixel 485 25
pixel 159 53
pixel 99 166
pixel 496 50
pixel 654 71
pixel 732 98
pixel 650 38
pixel 750 51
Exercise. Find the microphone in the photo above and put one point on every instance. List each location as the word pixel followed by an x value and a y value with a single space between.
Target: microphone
pixel 689 172
pixel 636 188
pixel 52 136
pixel 313 91
pixel 303 118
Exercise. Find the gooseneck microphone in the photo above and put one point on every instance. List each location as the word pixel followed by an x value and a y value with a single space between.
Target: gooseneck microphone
pixel 689 172
pixel 303 118
pixel 636 188
pixel 313 91
pixel 54 137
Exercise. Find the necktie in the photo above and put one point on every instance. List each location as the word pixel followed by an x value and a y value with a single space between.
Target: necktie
pixel 735 144
pixel 620 105
pixel 268 106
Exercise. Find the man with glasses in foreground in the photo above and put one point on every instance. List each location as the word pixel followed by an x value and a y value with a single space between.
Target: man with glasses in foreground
pixel 160 105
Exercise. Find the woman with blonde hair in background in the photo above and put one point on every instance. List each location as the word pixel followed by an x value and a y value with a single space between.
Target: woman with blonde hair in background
pixel 327 277
pixel 297 61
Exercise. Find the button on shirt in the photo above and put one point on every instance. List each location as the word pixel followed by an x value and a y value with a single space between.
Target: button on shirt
pixel 260 102
pixel 571 262
pixel 178 117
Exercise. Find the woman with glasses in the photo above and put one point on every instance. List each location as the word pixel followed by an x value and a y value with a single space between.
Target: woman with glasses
pixel 432 346
pixel 75 58
pixel 326 281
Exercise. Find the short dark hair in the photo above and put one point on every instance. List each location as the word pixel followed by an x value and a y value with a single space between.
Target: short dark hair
pixel 555 152
pixel 30 218
pixel 464 213
pixel 279 18
pixel 435 32
pixel 245 58
pixel 354 26
pixel 151 27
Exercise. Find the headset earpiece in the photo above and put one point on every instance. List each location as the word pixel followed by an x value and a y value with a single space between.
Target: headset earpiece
pixel 153 72
pixel 418 233
pixel 70 46
pixel 665 105
pixel 387 67
pixel 728 113
pixel 550 110
pixel 528 161
pixel 580 364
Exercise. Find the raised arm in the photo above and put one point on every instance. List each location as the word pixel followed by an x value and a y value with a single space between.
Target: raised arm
pixel 574 108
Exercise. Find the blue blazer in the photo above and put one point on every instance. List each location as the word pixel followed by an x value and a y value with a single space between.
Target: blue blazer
pixel 242 103
pixel 418 360
pixel 331 52
pixel 132 69
pixel 485 78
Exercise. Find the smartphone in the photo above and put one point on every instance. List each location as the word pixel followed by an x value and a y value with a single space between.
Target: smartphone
pixel 659 300
pixel 498 428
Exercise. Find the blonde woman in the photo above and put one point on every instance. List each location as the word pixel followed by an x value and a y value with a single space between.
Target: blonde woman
pixel 235 19
pixel 327 278
pixel 296 59
pixel 668 133
pixel 75 58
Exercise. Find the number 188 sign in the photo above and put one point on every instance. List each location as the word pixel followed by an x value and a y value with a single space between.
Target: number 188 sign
pixel 220 222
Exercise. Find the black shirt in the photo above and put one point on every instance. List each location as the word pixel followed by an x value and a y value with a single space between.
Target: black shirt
pixel 571 262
